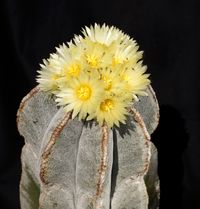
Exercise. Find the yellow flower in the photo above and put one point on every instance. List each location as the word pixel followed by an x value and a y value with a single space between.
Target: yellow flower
pixel 70 62
pixel 126 56
pixel 111 81
pixel 82 96
pixel 102 34
pixel 111 110
pixel 93 54
pixel 49 74
pixel 135 81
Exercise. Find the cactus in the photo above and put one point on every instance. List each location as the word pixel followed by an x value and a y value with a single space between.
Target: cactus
pixel 87 135
pixel 72 164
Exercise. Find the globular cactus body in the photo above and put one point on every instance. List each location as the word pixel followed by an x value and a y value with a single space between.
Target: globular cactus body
pixel 71 164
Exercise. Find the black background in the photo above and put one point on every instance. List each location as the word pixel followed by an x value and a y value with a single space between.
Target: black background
pixel 167 31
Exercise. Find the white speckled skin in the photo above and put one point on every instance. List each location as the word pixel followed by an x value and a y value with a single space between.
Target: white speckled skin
pixel 71 164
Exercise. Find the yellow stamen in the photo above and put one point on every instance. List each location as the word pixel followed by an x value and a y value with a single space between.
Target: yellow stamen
pixel 84 92
pixel 107 82
pixel 92 60
pixel 107 105
pixel 125 77
pixel 116 61
pixel 73 70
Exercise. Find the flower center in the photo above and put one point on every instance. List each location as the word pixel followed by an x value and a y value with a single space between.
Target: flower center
pixel 107 82
pixel 74 70
pixel 107 105
pixel 84 92
pixel 116 61
pixel 92 60
pixel 125 78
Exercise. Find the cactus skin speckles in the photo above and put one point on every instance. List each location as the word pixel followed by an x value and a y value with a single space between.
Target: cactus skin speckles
pixel 80 165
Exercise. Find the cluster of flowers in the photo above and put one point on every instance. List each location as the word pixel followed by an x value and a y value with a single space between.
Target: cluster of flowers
pixel 97 75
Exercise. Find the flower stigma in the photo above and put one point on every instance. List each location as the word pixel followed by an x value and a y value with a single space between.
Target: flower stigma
pixel 107 82
pixel 92 60
pixel 74 70
pixel 107 105
pixel 84 92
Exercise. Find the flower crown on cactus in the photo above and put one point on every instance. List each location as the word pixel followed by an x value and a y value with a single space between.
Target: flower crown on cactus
pixel 97 75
